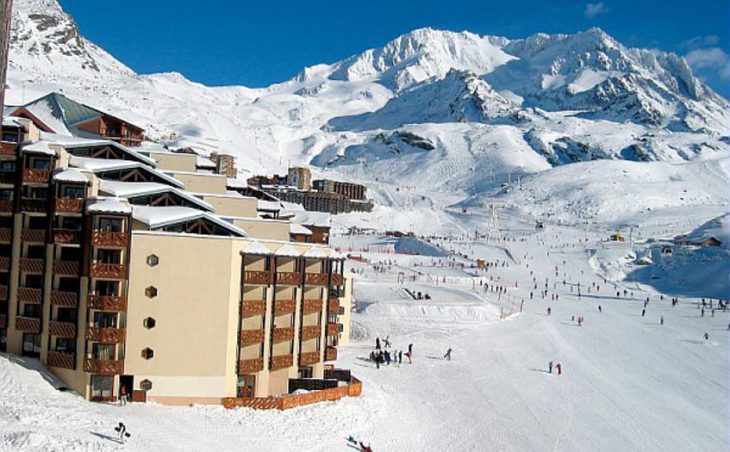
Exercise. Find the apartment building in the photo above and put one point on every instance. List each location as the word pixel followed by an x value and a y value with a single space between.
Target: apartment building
pixel 120 270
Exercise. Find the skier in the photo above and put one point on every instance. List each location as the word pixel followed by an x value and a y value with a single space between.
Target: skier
pixel 599 308
pixel 364 448
pixel 549 311
pixel 643 312
pixel 377 343
pixel 550 367
pixel 386 342
pixel 121 429
pixel 707 337
pixel 559 367
pixel 447 356
pixel 661 320
pixel 400 357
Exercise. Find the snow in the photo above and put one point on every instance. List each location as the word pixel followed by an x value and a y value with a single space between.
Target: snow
pixel 269 206
pixel 39 147
pixel 308 218
pixel 109 205
pixel 158 217
pixel 287 251
pixel 316 252
pixel 70 175
pixel 75 142
pixel 295 228
pixel 256 248
pixel 130 189
pixel 101 165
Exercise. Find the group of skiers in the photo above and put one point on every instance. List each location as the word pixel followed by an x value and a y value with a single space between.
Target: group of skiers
pixel 558 368
pixel 381 355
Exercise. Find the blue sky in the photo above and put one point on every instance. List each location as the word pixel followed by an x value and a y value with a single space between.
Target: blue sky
pixel 258 43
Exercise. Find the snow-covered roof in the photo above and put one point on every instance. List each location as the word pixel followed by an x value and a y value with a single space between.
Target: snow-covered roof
pixel 287 251
pixel 315 252
pixel 203 162
pixel 158 217
pixel 256 248
pixel 13 121
pixel 132 189
pixel 232 182
pixel 269 205
pixel 307 218
pixel 298 229
pixel 109 205
pixel 78 142
pixel 39 147
pixel 338 255
pixel 291 206
pixel 101 165
pixel 71 175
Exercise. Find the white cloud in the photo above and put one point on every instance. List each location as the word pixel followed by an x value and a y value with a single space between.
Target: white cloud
pixel 594 9
pixel 710 59
pixel 700 41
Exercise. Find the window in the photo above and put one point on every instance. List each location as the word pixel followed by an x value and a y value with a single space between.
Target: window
pixel 66 315
pixel 7 165
pixel 109 224
pixel 107 287
pixel 73 192
pixel 32 310
pixel 40 163
pixel 6 194
pixel 65 345
pixel 149 323
pixel 101 387
pixel 151 292
pixel 306 372
pixel 71 223
pixel 31 345
pixel 107 256
pixel 152 260
pixel 105 320
pixel 103 351
pixel 148 353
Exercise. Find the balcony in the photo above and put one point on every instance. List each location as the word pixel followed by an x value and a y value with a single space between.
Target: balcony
pixel 64 299
pixel 281 362
pixel 38 176
pixel 66 237
pixel 3 293
pixel 103 366
pixel 30 295
pixel 308 358
pixel 332 329
pixel 107 238
pixel 6 206
pixel 337 279
pixel 4 264
pixel 247 366
pixel 253 307
pixel 8 148
pixel 107 302
pixel 252 336
pixel 33 235
pixel 284 306
pixel 256 277
pixel 105 335
pixel 33 205
pixel 310 306
pixel 66 268
pixel 333 305
pixel 61 359
pixel 283 334
pixel 316 279
pixel 31 265
pixel 6 235
pixel 69 205
pixel 62 329
pixel 288 278
pixel 113 271
pixel 311 332
pixel 330 354
pixel 28 324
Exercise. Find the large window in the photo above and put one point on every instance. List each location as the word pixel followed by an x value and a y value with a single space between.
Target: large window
pixel 32 310
pixel 66 345
pixel 38 163
pixel 105 320
pixel 101 386
pixel 103 351
pixel 32 345
pixel 110 224
pixel 107 256
pixel 73 192
pixel 107 287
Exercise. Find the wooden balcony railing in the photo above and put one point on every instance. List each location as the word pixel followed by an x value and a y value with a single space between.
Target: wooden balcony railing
pixel 283 334
pixel 337 279
pixel 33 205
pixel 3 293
pixel 33 235
pixel 311 332
pixel 69 205
pixel 107 238
pixel 256 277
pixel 103 366
pixel 28 324
pixel 62 329
pixel 310 306
pixel 288 278
pixel 66 268
pixel 308 358
pixel 105 335
pixel 8 148
pixel 315 279
pixel 107 302
pixel 332 329
pixel 284 306
pixel 6 235
pixel 3 321
pixel 330 353
pixel 4 264
pixel 333 305
pixel 64 299
pixel 30 295
pixel 281 362
pixel 61 359
pixel 247 366
pixel 66 236
pixel 253 307
pixel 114 271
pixel 252 336
pixel 6 206
pixel 31 265
pixel 35 175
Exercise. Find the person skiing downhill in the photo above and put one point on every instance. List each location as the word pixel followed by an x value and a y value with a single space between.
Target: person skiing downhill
pixel 447 356
pixel 559 367
pixel 550 367
pixel 549 311
pixel 377 343
pixel 121 429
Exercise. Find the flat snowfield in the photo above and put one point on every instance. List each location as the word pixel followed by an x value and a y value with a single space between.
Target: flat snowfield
pixel 628 382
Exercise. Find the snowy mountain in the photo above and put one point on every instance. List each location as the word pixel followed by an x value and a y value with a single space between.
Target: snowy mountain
pixel 466 109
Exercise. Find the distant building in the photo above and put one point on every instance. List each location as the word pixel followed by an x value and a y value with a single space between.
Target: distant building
pixel 346 189
pixel 56 113
pixel 300 177
pixel 225 164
